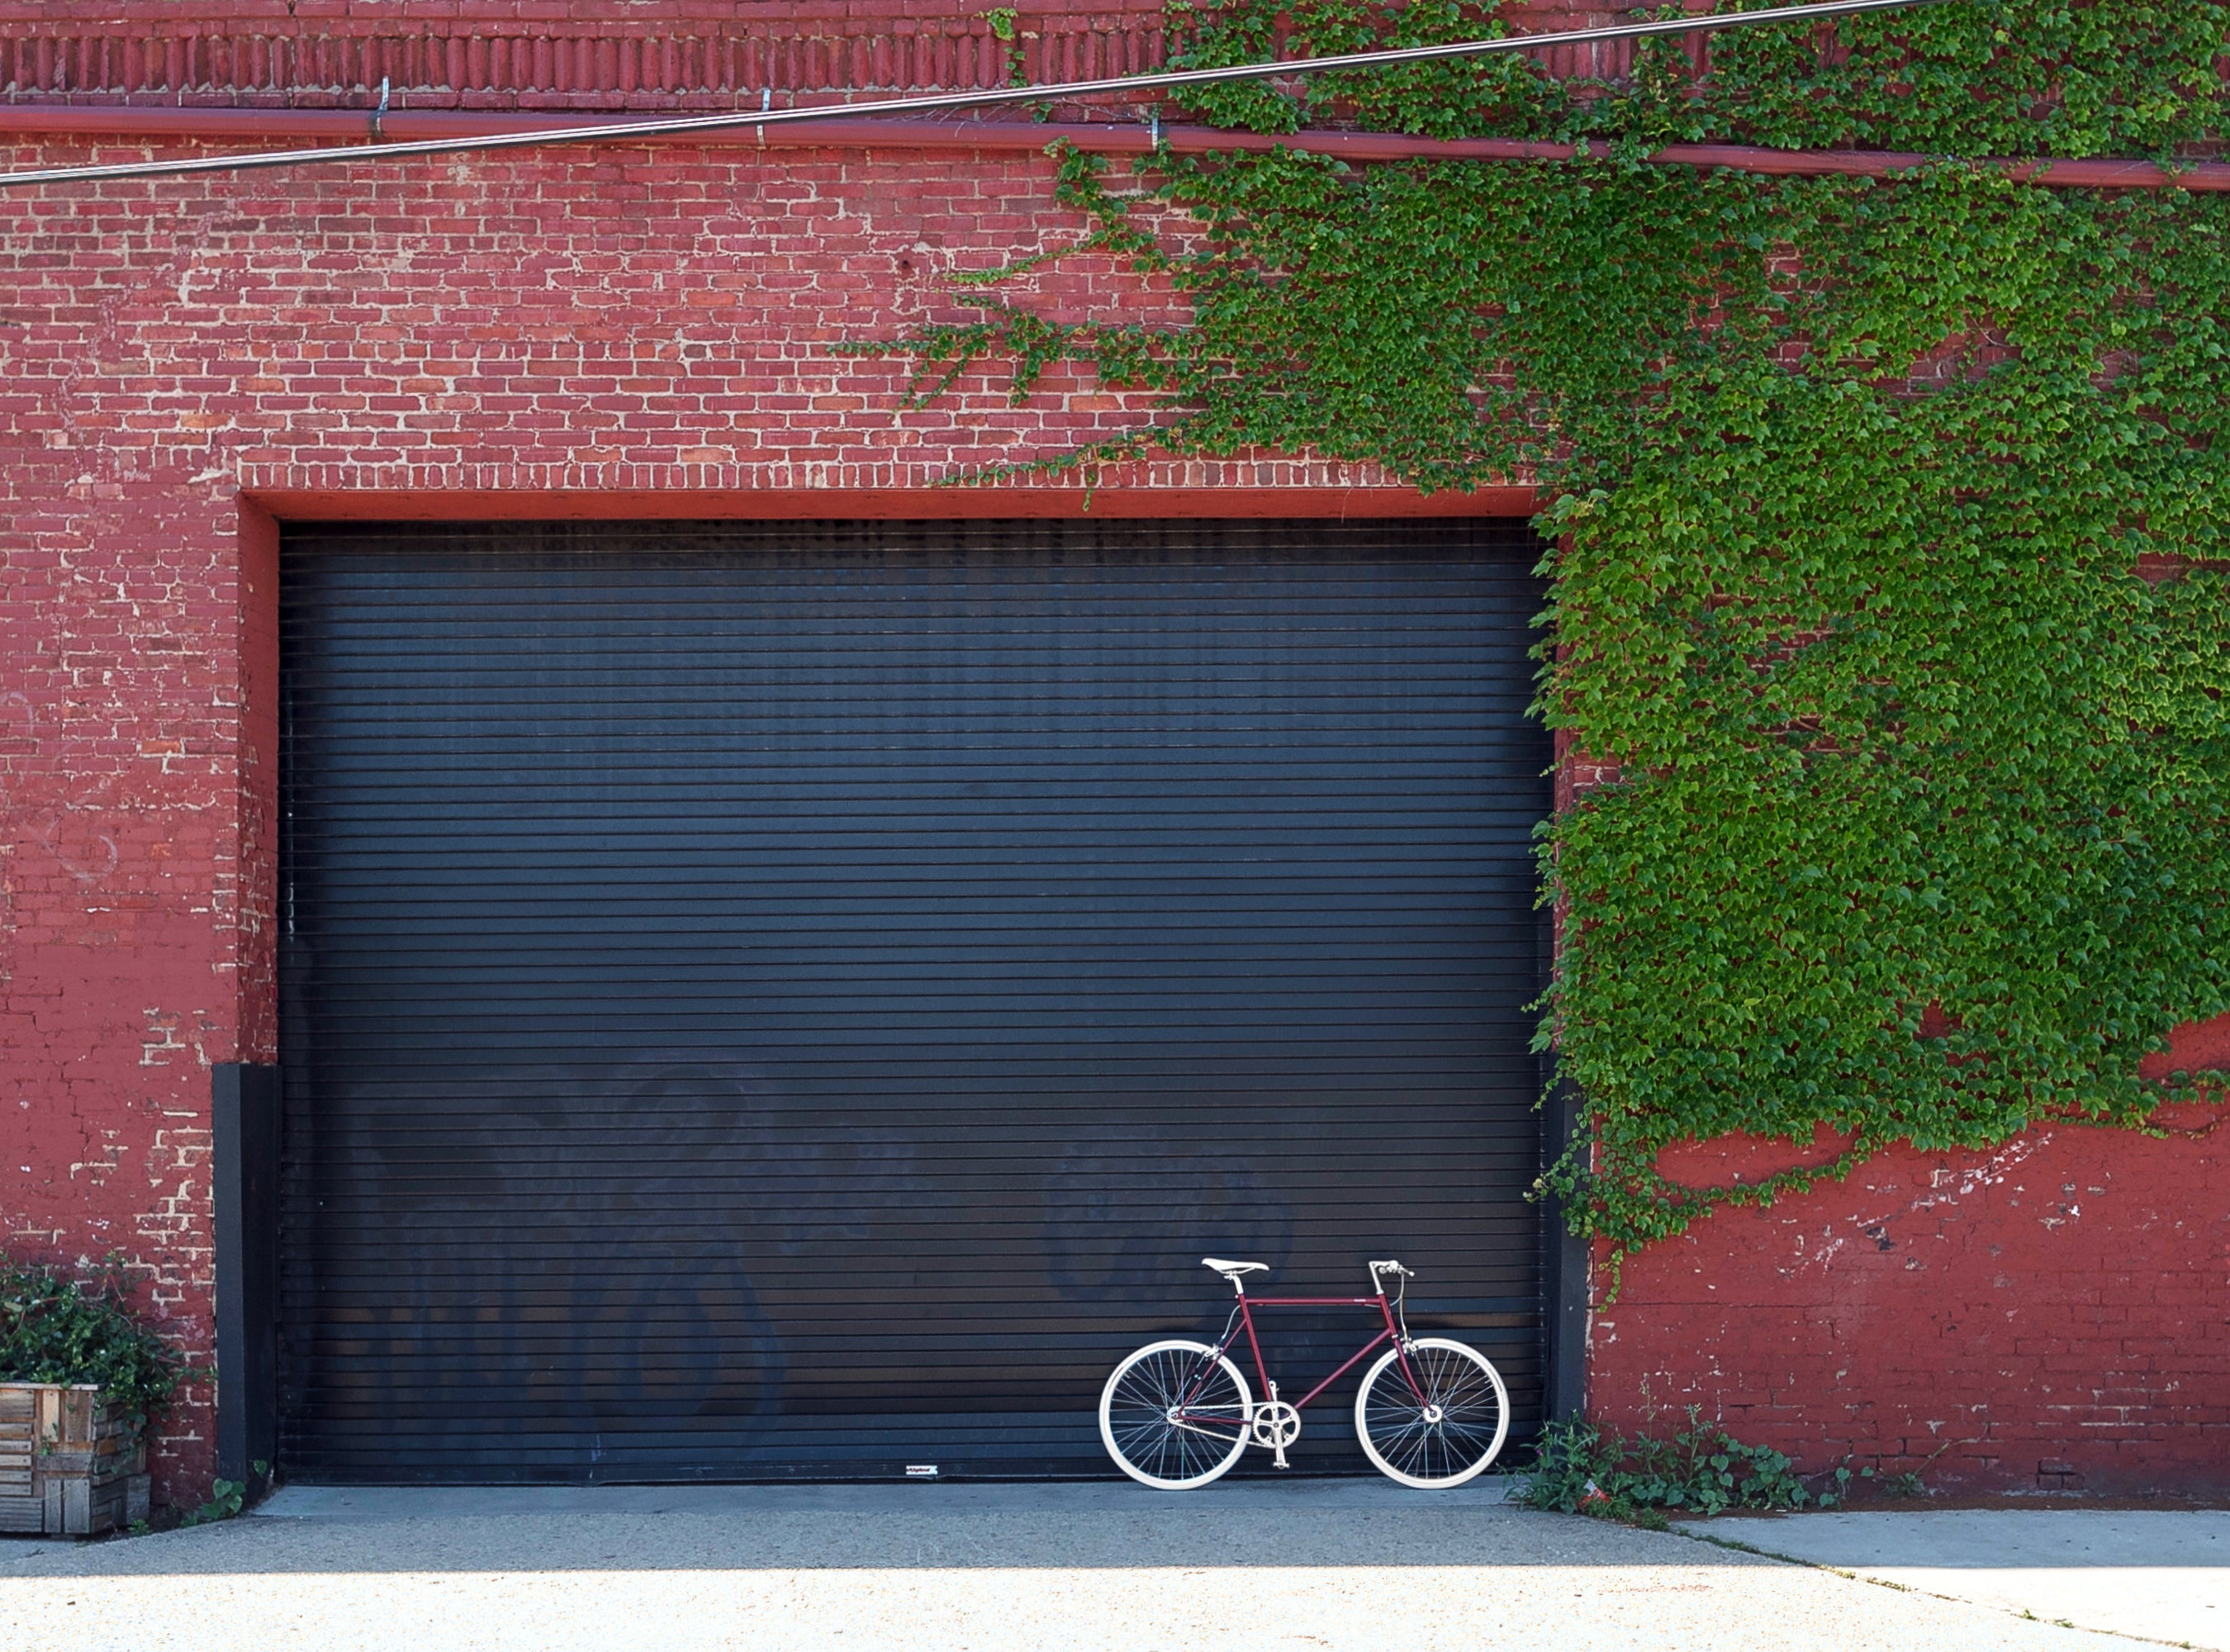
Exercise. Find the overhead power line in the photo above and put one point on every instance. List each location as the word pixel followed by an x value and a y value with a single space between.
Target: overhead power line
pixel 609 131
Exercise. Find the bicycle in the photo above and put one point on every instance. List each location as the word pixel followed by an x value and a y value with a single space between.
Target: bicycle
pixel 1177 1414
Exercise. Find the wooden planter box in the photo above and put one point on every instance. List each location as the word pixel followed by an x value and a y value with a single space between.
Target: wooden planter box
pixel 69 1466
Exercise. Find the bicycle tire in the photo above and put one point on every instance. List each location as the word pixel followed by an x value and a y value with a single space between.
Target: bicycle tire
pixel 1135 1425
pixel 1401 1437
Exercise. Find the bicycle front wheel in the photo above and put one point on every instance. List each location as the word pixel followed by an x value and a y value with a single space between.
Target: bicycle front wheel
pixel 1442 1430
pixel 1174 1416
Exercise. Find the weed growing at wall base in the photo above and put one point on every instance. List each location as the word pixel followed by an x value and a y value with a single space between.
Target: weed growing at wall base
pixel 1579 1468
pixel 1889 580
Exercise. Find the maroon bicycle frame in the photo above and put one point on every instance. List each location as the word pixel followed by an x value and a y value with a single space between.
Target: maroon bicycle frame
pixel 1392 1334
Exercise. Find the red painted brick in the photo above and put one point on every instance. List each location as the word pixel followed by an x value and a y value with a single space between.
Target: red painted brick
pixel 2064 1299
pixel 173 348
pixel 644 324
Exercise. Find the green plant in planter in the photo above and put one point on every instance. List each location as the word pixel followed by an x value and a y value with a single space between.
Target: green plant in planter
pixel 60 1326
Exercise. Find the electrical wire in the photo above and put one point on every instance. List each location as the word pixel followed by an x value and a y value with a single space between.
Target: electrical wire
pixel 946 102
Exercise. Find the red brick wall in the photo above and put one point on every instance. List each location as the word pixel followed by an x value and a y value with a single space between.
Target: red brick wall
pixel 660 323
pixel 120 863
pixel 2052 1315
pixel 587 54
pixel 657 321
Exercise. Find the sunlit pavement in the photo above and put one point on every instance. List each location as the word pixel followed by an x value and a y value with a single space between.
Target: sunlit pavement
pixel 1243 1564
pixel 2162 1576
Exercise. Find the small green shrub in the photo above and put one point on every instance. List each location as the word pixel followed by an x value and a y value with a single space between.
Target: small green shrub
pixel 60 1326
pixel 227 1499
pixel 1581 1469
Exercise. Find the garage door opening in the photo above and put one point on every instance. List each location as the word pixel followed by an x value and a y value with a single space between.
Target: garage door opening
pixel 769 1001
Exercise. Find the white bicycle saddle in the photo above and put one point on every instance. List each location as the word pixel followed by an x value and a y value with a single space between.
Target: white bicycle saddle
pixel 1234 1269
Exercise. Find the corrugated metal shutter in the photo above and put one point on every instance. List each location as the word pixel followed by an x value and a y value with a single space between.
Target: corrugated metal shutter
pixel 799 999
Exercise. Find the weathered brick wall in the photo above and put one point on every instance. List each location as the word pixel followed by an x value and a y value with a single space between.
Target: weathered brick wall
pixel 661 322
pixel 650 320
pixel 120 876
pixel 2052 1315
pixel 584 55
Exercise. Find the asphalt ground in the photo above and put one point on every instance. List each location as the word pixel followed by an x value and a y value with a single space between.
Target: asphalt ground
pixel 1299 1564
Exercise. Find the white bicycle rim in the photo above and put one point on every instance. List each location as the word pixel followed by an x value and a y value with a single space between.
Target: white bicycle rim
pixel 1425 1483
pixel 1107 1427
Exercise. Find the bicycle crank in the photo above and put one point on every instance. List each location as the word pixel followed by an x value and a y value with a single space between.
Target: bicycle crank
pixel 1275 1425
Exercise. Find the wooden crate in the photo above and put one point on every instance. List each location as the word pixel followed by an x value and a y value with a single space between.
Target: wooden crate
pixel 69 1464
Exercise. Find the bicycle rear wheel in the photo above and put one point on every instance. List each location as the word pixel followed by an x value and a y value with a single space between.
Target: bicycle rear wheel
pixel 1443 1432
pixel 1174 1414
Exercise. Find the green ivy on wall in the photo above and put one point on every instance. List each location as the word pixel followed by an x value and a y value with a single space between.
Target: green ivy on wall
pixel 1889 525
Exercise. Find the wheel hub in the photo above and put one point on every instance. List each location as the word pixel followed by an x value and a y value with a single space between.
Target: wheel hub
pixel 1434 1414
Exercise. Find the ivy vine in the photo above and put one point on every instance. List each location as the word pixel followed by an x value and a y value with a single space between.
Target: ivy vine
pixel 1889 569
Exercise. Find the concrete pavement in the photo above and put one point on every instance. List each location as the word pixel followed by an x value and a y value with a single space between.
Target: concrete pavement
pixel 2164 1575
pixel 1246 1564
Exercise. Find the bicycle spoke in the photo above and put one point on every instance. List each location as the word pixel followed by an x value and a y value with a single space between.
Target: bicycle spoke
pixel 1434 1416
pixel 1174 1414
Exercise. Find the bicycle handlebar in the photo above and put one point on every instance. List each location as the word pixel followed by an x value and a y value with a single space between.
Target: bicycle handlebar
pixel 1390 1267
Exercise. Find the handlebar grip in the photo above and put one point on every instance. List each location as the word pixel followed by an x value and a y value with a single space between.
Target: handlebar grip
pixel 1390 1267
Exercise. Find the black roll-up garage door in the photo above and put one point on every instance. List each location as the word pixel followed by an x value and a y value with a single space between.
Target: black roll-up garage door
pixel 787 1000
